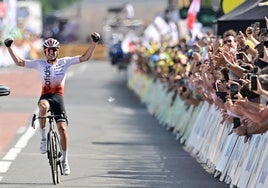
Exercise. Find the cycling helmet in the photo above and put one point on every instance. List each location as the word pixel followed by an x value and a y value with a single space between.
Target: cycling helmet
pixel 51 43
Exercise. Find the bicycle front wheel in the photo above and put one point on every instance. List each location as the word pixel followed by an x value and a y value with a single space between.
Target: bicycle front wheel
pixel 53 158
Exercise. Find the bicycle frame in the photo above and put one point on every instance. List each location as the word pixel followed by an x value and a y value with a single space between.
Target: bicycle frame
pixel 54 148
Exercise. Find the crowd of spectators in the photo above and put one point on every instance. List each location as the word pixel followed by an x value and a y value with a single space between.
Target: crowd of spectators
pixel 228 71
pixel 27 43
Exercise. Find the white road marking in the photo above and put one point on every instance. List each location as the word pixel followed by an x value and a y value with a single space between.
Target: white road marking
pixel 21 130
pixel 15 151
pixel 12 154
pixel 22 142
pixel 4 166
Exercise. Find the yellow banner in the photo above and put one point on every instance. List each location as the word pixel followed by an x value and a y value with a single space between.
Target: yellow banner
pixel 229 5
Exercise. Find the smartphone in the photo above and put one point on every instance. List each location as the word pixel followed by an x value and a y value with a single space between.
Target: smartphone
pixel 253 81
pixel 222 95
pixel 248 75
pixel 260 47
pixel 234 90
pixel 265 43
pixel 251 30
pixel 236 122
pixel 255 70
pixel 239 56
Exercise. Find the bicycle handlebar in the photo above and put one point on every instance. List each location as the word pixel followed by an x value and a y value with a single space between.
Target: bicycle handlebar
pixel 50 117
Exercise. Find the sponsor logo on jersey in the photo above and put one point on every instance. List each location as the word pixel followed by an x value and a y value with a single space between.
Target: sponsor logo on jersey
pixel 47 78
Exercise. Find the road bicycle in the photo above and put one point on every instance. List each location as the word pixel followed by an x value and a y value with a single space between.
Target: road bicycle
pixel 54 149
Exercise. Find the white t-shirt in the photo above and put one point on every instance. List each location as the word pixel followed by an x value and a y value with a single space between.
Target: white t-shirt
pixel 52 76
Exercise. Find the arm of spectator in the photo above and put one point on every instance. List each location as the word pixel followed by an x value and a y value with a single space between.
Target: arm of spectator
pixel 261 91
pixel 259 128
pixel 216 45
pixel 253 52
pixel 226 117
pixel 252 128
pixel 196 62
pixel 234 67
pixel 245 103
pixel 250 36
pixel 244 47
pixel 265 54
pixel 219 103
pixel 246 58
pixel 253 111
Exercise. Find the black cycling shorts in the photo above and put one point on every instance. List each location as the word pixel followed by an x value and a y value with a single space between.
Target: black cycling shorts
pixel 56 103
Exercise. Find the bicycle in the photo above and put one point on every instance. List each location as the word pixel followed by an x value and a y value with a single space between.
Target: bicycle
pixel 54 149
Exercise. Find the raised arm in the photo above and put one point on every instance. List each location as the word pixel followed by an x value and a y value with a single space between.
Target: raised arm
pixel 17 60
pixel 88 53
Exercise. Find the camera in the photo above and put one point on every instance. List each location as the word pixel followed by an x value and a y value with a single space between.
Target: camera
pixel 253 81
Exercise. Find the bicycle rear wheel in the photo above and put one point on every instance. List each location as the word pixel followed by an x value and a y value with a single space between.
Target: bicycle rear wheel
pixel 53 158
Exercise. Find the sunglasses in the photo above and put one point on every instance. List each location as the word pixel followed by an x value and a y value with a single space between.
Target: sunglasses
pixel 54 49
pixel 229 41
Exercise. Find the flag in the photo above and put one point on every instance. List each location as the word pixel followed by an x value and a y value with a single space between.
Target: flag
pixel 192 13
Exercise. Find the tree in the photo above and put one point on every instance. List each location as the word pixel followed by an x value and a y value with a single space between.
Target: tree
pixel 49 6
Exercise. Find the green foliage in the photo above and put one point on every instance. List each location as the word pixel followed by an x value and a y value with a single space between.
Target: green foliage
pixel 49 6
pixel 206 3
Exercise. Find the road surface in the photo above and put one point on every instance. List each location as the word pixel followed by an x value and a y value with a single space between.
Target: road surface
pixel 114 141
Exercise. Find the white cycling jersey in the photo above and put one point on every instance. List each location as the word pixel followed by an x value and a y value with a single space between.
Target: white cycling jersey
pixel 52 76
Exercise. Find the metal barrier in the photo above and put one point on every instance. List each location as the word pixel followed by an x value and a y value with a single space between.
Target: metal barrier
pixel 204 137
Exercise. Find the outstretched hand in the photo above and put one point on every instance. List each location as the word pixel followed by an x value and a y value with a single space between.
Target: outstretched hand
pixel 8 42
pixel 95 37
pixel 265 54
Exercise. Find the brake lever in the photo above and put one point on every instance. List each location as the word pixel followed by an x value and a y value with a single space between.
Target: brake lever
pixel 33 119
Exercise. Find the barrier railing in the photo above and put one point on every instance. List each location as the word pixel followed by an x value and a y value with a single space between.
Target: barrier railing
pixel 200 130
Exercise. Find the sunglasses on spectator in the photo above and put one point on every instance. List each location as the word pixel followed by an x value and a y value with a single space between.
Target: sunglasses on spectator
pixel 229 41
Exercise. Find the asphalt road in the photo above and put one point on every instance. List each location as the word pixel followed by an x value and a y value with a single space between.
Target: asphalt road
pixel 114 142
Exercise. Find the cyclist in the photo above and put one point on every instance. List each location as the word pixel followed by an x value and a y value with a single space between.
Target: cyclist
pixel 52 72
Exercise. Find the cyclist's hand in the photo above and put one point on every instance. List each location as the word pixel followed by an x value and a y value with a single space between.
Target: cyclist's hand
pixel 8 42
pixel 95 37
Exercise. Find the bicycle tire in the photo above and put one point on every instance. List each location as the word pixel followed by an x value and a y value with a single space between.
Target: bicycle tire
pixel 57 155
pixel 52 158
